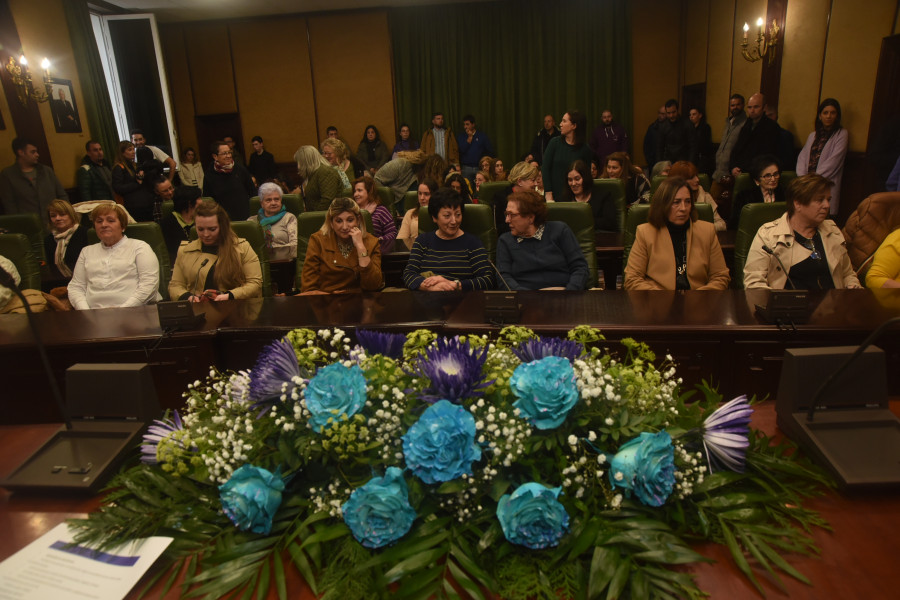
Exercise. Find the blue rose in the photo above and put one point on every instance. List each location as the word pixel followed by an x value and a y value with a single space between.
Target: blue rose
pixel 546 391
pixel 647 467
pixel 441 446
pixel 335 390
pixel 532 516
pixel 251 498
pixel 379 513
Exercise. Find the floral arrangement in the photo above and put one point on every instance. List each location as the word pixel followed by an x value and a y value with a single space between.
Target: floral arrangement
pixel 417 466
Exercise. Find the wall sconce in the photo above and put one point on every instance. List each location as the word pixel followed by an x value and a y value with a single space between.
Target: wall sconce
pixel 766 42
pixel 21 78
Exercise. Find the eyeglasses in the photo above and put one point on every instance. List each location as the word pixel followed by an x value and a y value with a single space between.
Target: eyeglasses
pixel 771 176
pixel 512 214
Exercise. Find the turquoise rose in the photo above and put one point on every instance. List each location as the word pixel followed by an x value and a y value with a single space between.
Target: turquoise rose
pixel 251 498
pixel 533 517
pixel 545 390
pixel 379 512
pixel 647 468
pixel 441 446
pixel 335 390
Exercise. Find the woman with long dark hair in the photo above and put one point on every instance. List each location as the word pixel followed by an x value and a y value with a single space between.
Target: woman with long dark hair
pixel 562 151
pixel 372 151
pixel 826 148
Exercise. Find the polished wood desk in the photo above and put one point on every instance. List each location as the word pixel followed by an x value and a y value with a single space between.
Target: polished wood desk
pixel 858 558
pixel 712 335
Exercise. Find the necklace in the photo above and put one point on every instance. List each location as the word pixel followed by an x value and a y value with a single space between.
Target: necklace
pixel 809 244
pixel 345 249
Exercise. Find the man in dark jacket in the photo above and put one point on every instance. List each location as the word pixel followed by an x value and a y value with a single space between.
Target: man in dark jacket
pixel 94 174
pixel 651 138
pixel 677 140
pixel 758 136
pixel 262 163
pixel 542 139
pixel 27 185
pixel 228 183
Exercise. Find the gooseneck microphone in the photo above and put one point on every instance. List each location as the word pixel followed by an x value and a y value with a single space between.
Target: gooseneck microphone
pixel 787 274
pixel 496 270
pixel 200 268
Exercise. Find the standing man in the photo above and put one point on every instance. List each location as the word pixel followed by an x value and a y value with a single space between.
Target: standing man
pixel 165 191
pixel 651 138
pixel 758 136
pixel 228 183
pixel 137 138
pixel 542 139
pixel 733 124
pixel 95 175
pixel 28 186
pixel 473 145
pixel 331 132
pixel 787 151
pixel 676 137
pixel 262 163
pixel 609 137
pixel 440 141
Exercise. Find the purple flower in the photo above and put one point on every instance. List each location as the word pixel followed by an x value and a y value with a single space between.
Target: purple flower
pixel 160 430
pixel 454 369
pixel 376 342
pixel 725 434
pixel 276 365
pixel 536 349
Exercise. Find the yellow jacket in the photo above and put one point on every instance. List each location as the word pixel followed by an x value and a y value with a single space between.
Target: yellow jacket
pixel 886 263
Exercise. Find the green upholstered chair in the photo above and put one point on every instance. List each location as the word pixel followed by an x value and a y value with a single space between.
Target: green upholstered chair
pixel 615 190
pixel 253 233
pixel 786 178
pixel 705 182
pixel 753 216
pixel 18 249
pixel 293 202
pixel 307 224
pixel 638 214
pixel 29 225
pixel 386 196
pixel 654 183
pixel 487 191
pixel 741 182
pixel 168 207
pixel 580 219
pixel 410 200
pixel 478 219
pixel 152 234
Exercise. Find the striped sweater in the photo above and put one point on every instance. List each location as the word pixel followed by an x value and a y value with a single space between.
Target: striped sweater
pixel 461 259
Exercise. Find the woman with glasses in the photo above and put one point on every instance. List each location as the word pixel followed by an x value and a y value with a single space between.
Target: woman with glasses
pixel 523 177
pixel 766 174
pixel 803 242
pixel 538 254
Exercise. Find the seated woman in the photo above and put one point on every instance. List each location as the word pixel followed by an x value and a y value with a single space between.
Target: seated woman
pixel 459 183
pixel 176 227
pixel 885 269
pixel 405 141
pixel 117 271
pixel 637 186
pixel 341 256
pixel 279 226
pixel 321 182
pixel 579 188
pixel 810 247
pixel 497 173
pixel 448 259
pixel 766 173
pixel 371 150
pixel 218 265
pixel 64 242
pixel 383 225
pixel 688 171
pixel 484 166
pixel 673 250
pixel 409 228
pixel 523 177
pixel 335 152
pixel 480 178
pixel 538 254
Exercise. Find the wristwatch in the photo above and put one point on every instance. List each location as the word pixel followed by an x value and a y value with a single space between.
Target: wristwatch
pixel 363 254
pixel 458 284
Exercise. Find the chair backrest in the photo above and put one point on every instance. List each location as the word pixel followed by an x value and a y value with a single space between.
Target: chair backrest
pixel 478 219
pixel 386 196
pixel 488 189
pixel 705 182
pixel 410 200
pixel 741 182
pixel 654 183
pixel 580 219
pixel 168 207
pixel 29 225
pixel 253 233
pixel 293 202
pixel 786 178
pixel 615 190
pixel 17 248
pixel 307 224
pixel 152 234
pixel 753 216
pixel 637 214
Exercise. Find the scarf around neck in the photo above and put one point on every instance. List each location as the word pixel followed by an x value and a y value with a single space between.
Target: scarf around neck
pixel 62 243
pixel 220 168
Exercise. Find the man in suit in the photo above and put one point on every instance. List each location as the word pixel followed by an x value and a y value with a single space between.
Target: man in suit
pixel 64 113
pixel 758 136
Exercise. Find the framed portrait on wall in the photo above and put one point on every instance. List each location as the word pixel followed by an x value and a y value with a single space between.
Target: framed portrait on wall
pixel 63 107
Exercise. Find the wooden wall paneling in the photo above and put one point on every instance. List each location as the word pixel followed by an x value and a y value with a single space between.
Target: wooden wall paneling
pixel 172 39
pixel 212 73
pixel 722 47
pixel 770 81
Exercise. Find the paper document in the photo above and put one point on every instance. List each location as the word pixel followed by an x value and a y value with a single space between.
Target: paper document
pixel 50 569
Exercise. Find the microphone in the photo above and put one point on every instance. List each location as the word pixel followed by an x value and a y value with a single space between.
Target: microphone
pixel 508 289
pixel 771 253
pixel 200 268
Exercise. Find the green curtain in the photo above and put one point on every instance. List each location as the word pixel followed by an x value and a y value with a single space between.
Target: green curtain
pixel 97 105
pixel 510 63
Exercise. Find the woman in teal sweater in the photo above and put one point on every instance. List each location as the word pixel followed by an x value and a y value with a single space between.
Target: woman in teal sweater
pixel 562 151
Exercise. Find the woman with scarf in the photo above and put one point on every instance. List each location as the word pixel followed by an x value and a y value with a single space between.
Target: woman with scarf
pixel 372 150
pixel 64 243
pixel 826 148
pixel 278 225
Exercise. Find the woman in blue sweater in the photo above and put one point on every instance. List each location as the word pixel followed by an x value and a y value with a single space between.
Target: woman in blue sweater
pixel 448 259
pixel 538 254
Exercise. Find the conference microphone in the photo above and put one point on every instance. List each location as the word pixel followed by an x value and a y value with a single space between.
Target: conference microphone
pixel 831 378
pixel 496 270
pixel 200 268
pixel 771 253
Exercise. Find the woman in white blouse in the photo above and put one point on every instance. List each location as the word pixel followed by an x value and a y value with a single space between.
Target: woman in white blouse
pixel 117 272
